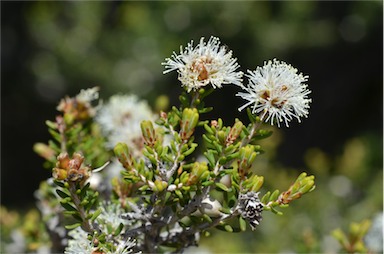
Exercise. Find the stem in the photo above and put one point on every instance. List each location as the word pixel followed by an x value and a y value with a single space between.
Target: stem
pixel 195 96
pixel 251 134
pixel 61 126
pixel 76 201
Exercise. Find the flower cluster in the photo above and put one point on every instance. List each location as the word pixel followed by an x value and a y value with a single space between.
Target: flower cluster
pixel 275 91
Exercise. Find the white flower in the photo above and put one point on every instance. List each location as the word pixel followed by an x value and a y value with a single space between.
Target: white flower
pixel 88 95
pixel 206 63
pixel 109 219
pixel 120 120
pixel 277 93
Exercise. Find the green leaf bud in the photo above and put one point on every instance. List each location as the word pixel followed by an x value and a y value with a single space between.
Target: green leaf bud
pixel 302 185
pixel 148 132
pixel 190 118
pixel 234 133
pixel 253 183
pixel 160 185
pixel 123 154
pixel 247 155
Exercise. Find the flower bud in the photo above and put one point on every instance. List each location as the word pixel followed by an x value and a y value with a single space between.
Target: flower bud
pixel 189 120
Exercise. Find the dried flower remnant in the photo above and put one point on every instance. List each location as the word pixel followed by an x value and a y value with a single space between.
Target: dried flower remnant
pixel 207 63
pixel 71 169
pixel 250 208
pixel 277 93
pixel 79 108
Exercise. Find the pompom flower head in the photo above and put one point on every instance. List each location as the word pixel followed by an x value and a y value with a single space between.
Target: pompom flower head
pixel 207 63
pixel 120 120
pixel 277 93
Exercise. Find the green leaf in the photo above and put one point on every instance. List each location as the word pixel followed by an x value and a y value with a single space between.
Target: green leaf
pixel 60 184
pixel 73 226
pixel 210 157
pixel 207 139
pixel 118 229
pixel 261 134
pixel 242 223
pixel 205 110
pixel 76 216
pixel 62 194
pixel 51 124
pixel 55 135
pixel 67 206
pixel 276 211
pixel 274 195
pixel 228 228
pixel 222 187
pixel 95 214
pixel 265 198
pixel 207 218
pixel 83 191
pixel 251 117
pixel 208 129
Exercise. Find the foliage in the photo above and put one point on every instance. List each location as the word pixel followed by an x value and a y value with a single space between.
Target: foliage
pixel 166 196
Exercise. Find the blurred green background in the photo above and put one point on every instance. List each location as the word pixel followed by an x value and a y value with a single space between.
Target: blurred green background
pixel 51 49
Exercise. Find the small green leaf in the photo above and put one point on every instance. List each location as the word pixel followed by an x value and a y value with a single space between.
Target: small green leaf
pixel 265 198
pixel 207 218
pixel 51 124
pixel 251 117
pixel 274 195
pixel 276 211
pixel 222 187
pixel 68 207
pixel 58 183
pixel 228 228
pixel 242 223
pixel 95 214
pixel 73 226
pixel 76 216
pixel 118 229
pixel 62 194
pixel 208 129
pixel 84 190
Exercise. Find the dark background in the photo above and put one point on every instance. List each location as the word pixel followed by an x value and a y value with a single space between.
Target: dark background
pixel 50 49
